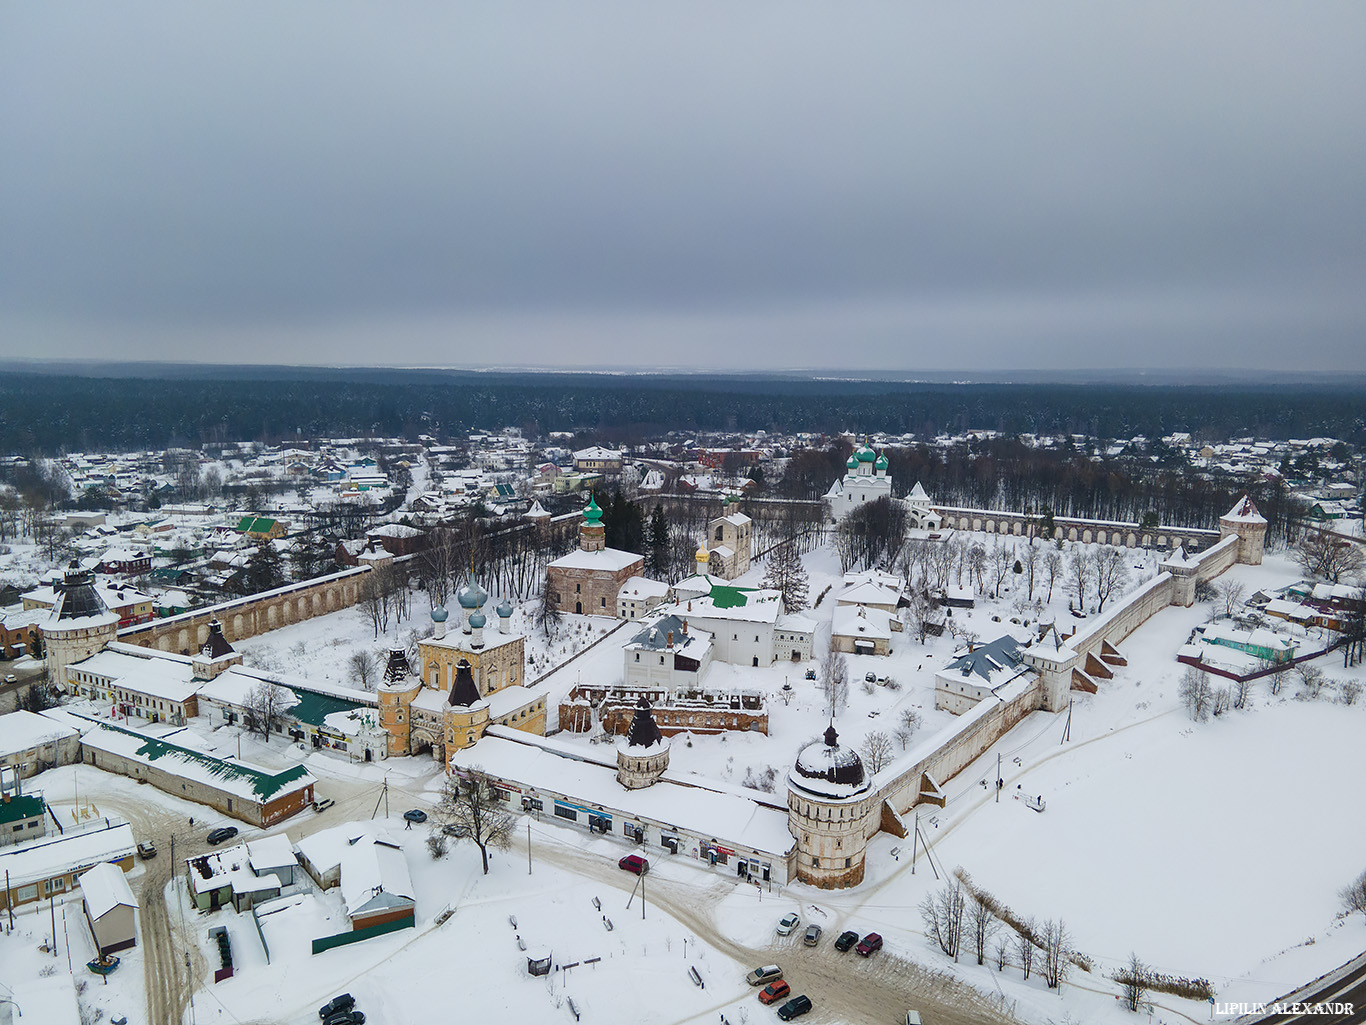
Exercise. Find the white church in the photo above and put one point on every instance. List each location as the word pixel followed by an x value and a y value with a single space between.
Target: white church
pixel 867 481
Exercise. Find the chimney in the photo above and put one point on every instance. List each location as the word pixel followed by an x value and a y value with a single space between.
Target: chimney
pixel 671 638
pixel 685 628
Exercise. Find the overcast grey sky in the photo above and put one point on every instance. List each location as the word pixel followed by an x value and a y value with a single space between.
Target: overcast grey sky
pixel 728 185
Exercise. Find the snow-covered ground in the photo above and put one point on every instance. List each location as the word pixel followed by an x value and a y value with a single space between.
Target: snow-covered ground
pixel 1209 849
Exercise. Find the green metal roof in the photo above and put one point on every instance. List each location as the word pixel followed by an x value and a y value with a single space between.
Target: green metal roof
pixel 264 785
pixel 724 597
pixel 313 707
pixel 17 809
pixel 255 525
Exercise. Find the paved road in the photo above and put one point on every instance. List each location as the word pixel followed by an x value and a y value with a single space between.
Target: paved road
pixel 25 674
pixel 1343 994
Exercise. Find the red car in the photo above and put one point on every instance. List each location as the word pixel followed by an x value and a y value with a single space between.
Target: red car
pixel 634 863
pixel 869 943
pixel 774 992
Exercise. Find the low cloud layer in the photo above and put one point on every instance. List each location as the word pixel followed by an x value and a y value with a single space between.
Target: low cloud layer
pixel 897 186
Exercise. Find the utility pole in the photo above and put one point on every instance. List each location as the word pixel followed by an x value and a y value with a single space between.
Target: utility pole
pixel 999 781
pixel 52 909
pixel 528 847
pixel 915 840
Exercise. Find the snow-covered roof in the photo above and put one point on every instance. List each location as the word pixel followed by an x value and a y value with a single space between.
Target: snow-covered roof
pixel 43 859
pixel 246 781
pixel 146 671
pixel 105 887
pixel 733 604
pixel 49 999
pixel 608 559
pixel 1244 511
pixel 597 452
pixel 858 621
pixel 374 874
pixel 794 623
pixel 21 730
pixel 698 805
pixel 738 519
pixel 643 587
pixel 829 769
pixel 230 867
pixel 869 592
pixel 269 852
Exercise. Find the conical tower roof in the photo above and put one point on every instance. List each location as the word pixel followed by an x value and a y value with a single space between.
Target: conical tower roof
pixel 217 645
pixel 644 732
pixel 464 692
pixel 77 597
pixel 397 670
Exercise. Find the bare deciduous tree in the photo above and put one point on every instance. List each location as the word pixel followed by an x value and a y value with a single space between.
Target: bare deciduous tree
pixel 1228 596
pixel 362 666
pixel 1056 950
pixel 547 616
pixel 265 706
pixel 469 810
pixel 1030 560
pixel 906 727
pixel 1351 691
pixel 1354 895
pixel 835 680
pixel 982 926
pixel 942 913
pixel 876 750
pixel 1024 947
pixel 1311 679
pixel 1109 572
pixel 1078 575
pixel 1328 557
pixel 1219 700
pixel 1002 952
pixel 1195 693
pixel 1135 977
pixel 1052 569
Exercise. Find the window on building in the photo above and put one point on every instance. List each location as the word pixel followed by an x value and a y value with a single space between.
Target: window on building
pixel 566 813
pixel 578 589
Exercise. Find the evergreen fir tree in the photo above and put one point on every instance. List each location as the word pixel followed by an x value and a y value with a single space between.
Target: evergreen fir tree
pixel 657 556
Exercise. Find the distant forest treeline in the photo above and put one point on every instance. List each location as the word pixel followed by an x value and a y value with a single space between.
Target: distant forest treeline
pixel 50 413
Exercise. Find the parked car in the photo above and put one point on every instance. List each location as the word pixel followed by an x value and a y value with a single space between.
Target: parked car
pixel 788 923
pixel 846 940
pixel 323 804
pixel 813 935
pixel 870 677
pixel 634 863
pixel 147 849
pixel 222 833
pixel 913 1018
pixel 795 1008
pixel 337 1004
pixel 811 674
pixel 869 943
pixel 346 1018
pixel 774 992
pixel 11 678
pixel 415 815
pixel 763 974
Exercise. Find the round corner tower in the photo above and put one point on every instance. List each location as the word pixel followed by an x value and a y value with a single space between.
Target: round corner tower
pixel 80 624
pixel 643 754
pixel 829 803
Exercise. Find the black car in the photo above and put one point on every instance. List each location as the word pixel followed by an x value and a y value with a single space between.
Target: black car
pixel 345 1018
pixel 336 1005
pixel 846 940
pixel 222 833
pixel 795 1008
pixel 415 815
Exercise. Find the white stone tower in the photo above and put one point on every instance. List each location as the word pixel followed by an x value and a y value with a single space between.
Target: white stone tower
pixel 830 807
pixel 79 624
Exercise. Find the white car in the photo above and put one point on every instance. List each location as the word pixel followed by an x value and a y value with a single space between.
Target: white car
pixel 788 923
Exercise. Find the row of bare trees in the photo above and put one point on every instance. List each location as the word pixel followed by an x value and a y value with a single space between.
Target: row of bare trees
pixel 957 913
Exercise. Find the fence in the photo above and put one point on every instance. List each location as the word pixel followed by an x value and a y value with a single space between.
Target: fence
pixel 355 936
